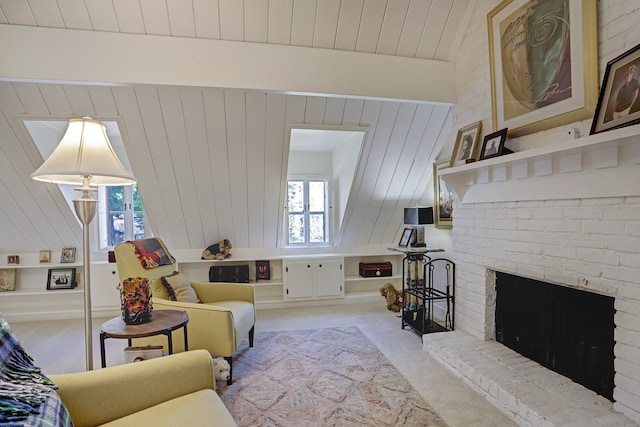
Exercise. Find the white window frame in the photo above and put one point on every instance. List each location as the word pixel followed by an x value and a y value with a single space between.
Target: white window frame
pixel 104 215
pixel 327 211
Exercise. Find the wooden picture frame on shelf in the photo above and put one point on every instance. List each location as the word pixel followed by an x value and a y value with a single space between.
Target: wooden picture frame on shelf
pixel 13 259
pixel 263 270
pixel 61 278
pixel 493 144
pixel 68 255
pixel 466 144
pixel 443 195
pixel 619 100
pixel 544 73
pixel 7 279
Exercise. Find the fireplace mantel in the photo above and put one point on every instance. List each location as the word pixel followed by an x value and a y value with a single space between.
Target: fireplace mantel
pixel 601 165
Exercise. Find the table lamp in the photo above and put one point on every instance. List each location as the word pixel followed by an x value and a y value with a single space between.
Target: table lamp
pixel 418 217
pixel 85 156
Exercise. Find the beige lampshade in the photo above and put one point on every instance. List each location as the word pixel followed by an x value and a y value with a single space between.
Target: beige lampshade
pixel 84 151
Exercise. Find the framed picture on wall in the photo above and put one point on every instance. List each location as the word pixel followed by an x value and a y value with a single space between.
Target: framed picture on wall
pixel 544 63
pixel 466 144
pixel 619 101
pixel 443 198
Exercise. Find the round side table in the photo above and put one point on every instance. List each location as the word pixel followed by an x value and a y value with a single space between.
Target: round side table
pixel 163 322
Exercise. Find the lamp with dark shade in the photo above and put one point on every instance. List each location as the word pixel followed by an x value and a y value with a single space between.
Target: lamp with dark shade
pixel 85 156
pixel 418 217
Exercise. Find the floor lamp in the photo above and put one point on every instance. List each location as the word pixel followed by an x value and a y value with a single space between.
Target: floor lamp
pixel 85 156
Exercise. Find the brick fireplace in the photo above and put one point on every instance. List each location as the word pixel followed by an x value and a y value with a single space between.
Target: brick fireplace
pixel 567 214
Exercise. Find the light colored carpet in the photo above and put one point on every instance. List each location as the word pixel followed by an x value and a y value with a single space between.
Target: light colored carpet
pixel 321 377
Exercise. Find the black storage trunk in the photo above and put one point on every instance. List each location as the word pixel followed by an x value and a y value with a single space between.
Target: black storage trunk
pixel 229 273
pixel 375 269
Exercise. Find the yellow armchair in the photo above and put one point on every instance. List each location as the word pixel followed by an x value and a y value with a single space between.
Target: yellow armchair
pixel 167 391
pixel 219 324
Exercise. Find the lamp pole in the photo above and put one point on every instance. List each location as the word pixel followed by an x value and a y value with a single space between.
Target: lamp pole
pixel 85 208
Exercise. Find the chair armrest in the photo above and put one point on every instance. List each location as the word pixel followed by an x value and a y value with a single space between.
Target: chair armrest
pixel 213 292
pixel 97 397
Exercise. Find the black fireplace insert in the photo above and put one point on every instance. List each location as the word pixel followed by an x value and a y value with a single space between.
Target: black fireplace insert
pixel 567 330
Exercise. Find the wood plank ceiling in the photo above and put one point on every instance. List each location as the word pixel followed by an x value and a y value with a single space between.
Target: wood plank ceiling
pixel 210 161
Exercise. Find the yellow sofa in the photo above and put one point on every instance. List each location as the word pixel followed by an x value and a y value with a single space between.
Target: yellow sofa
pixel 168 391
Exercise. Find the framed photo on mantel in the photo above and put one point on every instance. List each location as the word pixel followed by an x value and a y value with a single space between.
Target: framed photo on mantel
pixel 619 101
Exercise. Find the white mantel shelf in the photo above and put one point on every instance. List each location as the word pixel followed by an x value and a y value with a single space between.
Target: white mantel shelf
pixel 601 165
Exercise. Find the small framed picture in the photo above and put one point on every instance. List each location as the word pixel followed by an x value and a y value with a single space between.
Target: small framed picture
pixel 493 144
pixel 68 255
pixel 263 270
pixel 7 279
pixel 619 100
pixel 406 237
pixel 466 144
pixel 13 259
pixel 61 278
pixel 45 256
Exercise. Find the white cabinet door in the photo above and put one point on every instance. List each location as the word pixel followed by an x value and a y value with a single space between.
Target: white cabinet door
pixel 313 278
pixel 329 278
pixel 298 279
pixel 104 287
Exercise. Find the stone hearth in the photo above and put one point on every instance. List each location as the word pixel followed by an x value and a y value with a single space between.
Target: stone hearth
pixel 529 393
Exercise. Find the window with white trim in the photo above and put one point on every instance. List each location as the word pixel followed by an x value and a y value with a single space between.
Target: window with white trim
pixel 307 211
pixel 124 217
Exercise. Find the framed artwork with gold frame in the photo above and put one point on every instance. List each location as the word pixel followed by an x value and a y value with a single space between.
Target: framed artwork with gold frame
pixel 442 198
pixel 544 63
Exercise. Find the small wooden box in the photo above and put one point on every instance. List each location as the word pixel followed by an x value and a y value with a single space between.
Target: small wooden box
pixel 375 269
pixel 229 273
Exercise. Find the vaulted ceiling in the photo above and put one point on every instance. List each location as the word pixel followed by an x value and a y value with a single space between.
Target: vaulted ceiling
pixel 210 155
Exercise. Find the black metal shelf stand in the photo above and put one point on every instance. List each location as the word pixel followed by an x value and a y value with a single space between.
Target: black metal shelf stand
pixel 428 284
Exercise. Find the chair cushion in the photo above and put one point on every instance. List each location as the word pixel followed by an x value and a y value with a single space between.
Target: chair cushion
pixel 179 288
pixel 200 408
pixel 243 315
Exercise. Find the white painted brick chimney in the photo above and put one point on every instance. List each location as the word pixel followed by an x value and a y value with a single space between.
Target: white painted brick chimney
pixel 588 243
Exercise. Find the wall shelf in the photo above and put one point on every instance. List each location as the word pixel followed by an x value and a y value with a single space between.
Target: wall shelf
pixel 42 265
pixel 273 292
pixel 601 165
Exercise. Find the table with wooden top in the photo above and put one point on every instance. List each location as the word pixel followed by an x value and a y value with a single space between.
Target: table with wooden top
pixel 163 322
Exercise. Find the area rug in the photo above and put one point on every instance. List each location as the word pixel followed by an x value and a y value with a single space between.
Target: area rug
pixel 321 377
